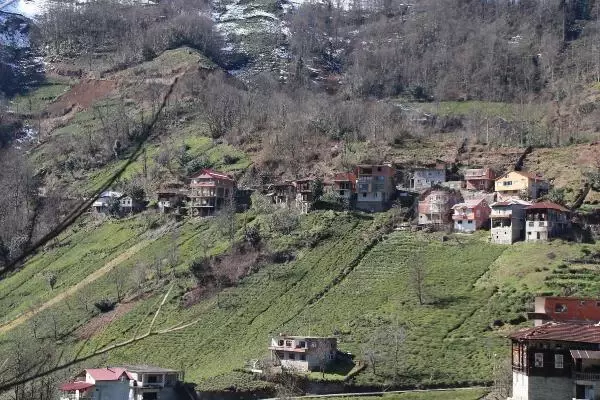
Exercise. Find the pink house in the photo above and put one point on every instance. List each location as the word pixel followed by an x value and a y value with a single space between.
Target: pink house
pixel 470 215
pixel 480 179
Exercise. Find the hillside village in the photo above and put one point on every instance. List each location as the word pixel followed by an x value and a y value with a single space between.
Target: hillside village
pixel 267 199
pixel 513 206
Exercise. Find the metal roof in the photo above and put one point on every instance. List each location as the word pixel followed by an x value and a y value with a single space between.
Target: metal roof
pixel 586 354
pixel 72 386
pixel 547 205
pixel 565 332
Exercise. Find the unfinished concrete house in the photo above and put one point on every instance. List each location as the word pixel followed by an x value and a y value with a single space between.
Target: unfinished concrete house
pixel 546 220
pixel 303 353
pixel 507 221
pixel 375 188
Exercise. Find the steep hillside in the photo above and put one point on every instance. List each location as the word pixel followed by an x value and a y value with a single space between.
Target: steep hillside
pixel 347 284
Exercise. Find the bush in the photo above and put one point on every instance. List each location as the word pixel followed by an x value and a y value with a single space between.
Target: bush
pixel 201 268
pixel 284 221
pixel 105 305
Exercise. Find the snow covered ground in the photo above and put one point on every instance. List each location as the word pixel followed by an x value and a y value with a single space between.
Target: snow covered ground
pixel 27 8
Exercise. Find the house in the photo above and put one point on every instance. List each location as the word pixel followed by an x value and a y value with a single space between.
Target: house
pixel 424 178
pixel 556 360
pixel 304 194
pixel 107 202
pixel 517 184
pixel 565 309
pixel 209 192
pixel 122 383
pixel 129 205
pixel 546 220
pixel 480 179
pixel 470 215
pixel 344 185
pixel 375 189
pixel 435 206
pixel 508 221
pixel 171 197
pixel 303 353
pixel 282 194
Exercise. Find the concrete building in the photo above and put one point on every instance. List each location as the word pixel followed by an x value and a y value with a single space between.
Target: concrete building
pixel 470 215
pixel 344 184
pixel 520 184
pixel 546 220
pixel 424 178
pixel 303 353
pixel 435 206
pixel 507 220
pixel 565 309
pixel 122 383
pixel 375 188
pixel 480 179
pixel 171 197
pixel 209 192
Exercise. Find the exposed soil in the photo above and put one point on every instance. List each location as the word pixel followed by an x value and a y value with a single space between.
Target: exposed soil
pixel 81 96
pixel 97 324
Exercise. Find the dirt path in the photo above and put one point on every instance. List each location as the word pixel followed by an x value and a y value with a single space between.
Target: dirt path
pixel 109 266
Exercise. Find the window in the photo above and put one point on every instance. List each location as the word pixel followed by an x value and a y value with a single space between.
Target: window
pixel 288 343
pixel 507 183
pixel 378 169
pixel 558 361
pixel 460 222
pixel 470 221
pixel 280 343
pixel 539 360
pixel 302 357
pixel 364 195
pixel 560 308
pixel 302 344
pixel 291 356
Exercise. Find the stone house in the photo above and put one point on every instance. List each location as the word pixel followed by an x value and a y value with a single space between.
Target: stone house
pixel 517 184
pixel 209 192
pixel 283 194
pixel 122 383
pixel 546 220
pixel 480 179
pixel 375 188
pixel 471 215
pixel 303 353
pixel 304 194
pixel 435 206
pixel 556 360
pixel 507 220
pixel 424 178
pixel 171 197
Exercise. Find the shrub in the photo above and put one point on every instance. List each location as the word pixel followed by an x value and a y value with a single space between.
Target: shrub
pixel 201 268
pixel 105 305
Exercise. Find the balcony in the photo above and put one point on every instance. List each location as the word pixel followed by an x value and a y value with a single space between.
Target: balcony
pixel 586 376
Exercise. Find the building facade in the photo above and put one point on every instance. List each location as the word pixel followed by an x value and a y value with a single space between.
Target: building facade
pixel 375 188
pixel 480 179
pixel 546 220
pixel 565 309
pixel 209 192
pixel 171 197
pixel 123 383
pixel 344 185
pixel 471 215
pixel 435 206
pixel 303 353
pixel 424 178
pixel 507 221
pixel 558 361
pixel 283 194
pixel 304 194
pixel 516 184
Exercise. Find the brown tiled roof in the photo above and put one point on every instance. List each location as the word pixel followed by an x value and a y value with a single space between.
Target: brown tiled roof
pixel 547 205
pixel 566 332
pixel 344 177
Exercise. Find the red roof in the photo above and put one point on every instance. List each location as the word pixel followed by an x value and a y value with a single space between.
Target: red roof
pixel 108 374
pixel 73 386
pixel 583 333
pixel 547 205
pixel 213 174
pixel 344 177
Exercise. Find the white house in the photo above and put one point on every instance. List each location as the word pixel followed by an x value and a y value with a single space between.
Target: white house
pixel 303 353
pixel 122 383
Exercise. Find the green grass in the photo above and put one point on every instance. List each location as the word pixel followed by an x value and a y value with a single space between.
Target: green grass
pixel 36 100
pixel 510 111
pixel 457 394
pixel 340 286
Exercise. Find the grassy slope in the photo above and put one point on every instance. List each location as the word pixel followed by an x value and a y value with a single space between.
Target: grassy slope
pixel 470 284
pixel 445 395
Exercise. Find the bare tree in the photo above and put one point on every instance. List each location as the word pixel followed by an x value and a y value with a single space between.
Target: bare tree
pixel 418 276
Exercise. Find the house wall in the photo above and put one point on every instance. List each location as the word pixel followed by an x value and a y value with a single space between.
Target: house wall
pixel 467 226
pixel 541 388
pixel 427 178
pixel 111 390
